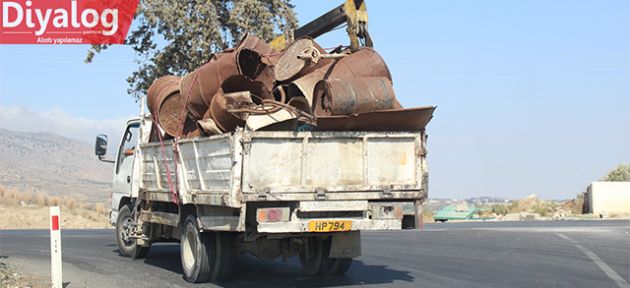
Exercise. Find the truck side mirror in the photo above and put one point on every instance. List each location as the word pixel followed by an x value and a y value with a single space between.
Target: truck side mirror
pixel 100 147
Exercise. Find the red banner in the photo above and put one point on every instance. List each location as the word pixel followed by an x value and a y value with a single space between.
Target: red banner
pixel 66 21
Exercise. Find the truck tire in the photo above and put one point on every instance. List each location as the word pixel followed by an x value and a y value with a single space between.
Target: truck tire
pixel 225 255
pixel 333 266
pixel 128 247
pixel 338 266
pixel 312 256
pixel 197 252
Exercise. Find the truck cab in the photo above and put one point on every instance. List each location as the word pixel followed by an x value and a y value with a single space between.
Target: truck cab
pixel 124 189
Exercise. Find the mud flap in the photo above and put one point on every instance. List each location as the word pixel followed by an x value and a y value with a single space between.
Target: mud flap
pixel 345 245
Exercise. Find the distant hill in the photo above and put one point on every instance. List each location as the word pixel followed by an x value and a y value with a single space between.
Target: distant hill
pixel 53 164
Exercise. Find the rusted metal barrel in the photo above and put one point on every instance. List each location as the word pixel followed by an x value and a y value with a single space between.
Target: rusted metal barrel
pixel 202 84
pixel 363 63
pixel 166 82
pixel 167 106
pixel 353 96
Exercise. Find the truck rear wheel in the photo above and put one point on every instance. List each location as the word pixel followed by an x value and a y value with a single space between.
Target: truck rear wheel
pixel 333 266
pixel 225 255
pixel 197 252
pixel 312 256
pixel 128 246
pixel 338 266
pixel 315 259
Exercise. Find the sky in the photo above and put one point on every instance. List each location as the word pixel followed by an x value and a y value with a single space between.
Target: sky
pixel 533 96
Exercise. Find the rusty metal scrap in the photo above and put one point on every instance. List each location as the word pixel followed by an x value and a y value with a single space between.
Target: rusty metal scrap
pixel 255 87
pixel 200 86
pixel 165 103
pixel 160 89
pixel 292 64
pixel 353 96
pixel 240 83
pixel 409 119
pixel 218 111
pixel 364 63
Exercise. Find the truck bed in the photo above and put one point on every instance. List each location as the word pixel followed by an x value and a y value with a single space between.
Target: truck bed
pixel 230 169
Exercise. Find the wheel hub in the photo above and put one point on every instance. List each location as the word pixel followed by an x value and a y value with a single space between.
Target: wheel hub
pixel 128 227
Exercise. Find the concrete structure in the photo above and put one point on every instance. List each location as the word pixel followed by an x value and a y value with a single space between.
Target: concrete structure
pixel 607 198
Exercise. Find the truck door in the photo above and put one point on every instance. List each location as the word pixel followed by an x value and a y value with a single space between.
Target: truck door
pixel 125 159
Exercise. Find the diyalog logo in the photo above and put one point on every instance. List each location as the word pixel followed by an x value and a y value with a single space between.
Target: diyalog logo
pixel 66 21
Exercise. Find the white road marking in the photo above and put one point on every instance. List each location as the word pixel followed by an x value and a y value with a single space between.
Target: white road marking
pixel 599 262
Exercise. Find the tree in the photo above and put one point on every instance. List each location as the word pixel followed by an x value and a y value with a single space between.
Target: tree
pixel 619 174
pixel 176 37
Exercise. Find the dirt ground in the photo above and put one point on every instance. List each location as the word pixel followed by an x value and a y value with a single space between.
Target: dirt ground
pixel 11 278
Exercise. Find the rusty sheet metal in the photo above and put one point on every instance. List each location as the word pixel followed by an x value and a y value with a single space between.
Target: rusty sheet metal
pixel 251 63
pixel 196 133
pixel 209 127
pixel 256 59
pixel 239 83
pixel 250 41
pixel 218 111
pixel 409 119
pixel 201 85
pixel 353 96
pixel 259 121
pixel 300 103
pixel 305 85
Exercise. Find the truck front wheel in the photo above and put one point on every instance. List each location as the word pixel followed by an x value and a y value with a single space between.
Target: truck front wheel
pixel 197 252
pixel 125 227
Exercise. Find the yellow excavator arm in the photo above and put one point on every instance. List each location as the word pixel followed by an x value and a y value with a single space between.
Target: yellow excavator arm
pixel 352 12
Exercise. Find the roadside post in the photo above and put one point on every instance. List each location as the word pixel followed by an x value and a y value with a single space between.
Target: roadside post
pixel 55 248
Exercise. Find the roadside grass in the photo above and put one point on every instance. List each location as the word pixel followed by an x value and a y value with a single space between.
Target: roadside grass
pixel 15 204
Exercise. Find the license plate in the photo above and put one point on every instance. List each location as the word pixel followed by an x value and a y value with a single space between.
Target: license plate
pixel 329 225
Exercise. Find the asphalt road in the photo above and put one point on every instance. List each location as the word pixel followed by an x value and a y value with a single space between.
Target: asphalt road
pixel 490 254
